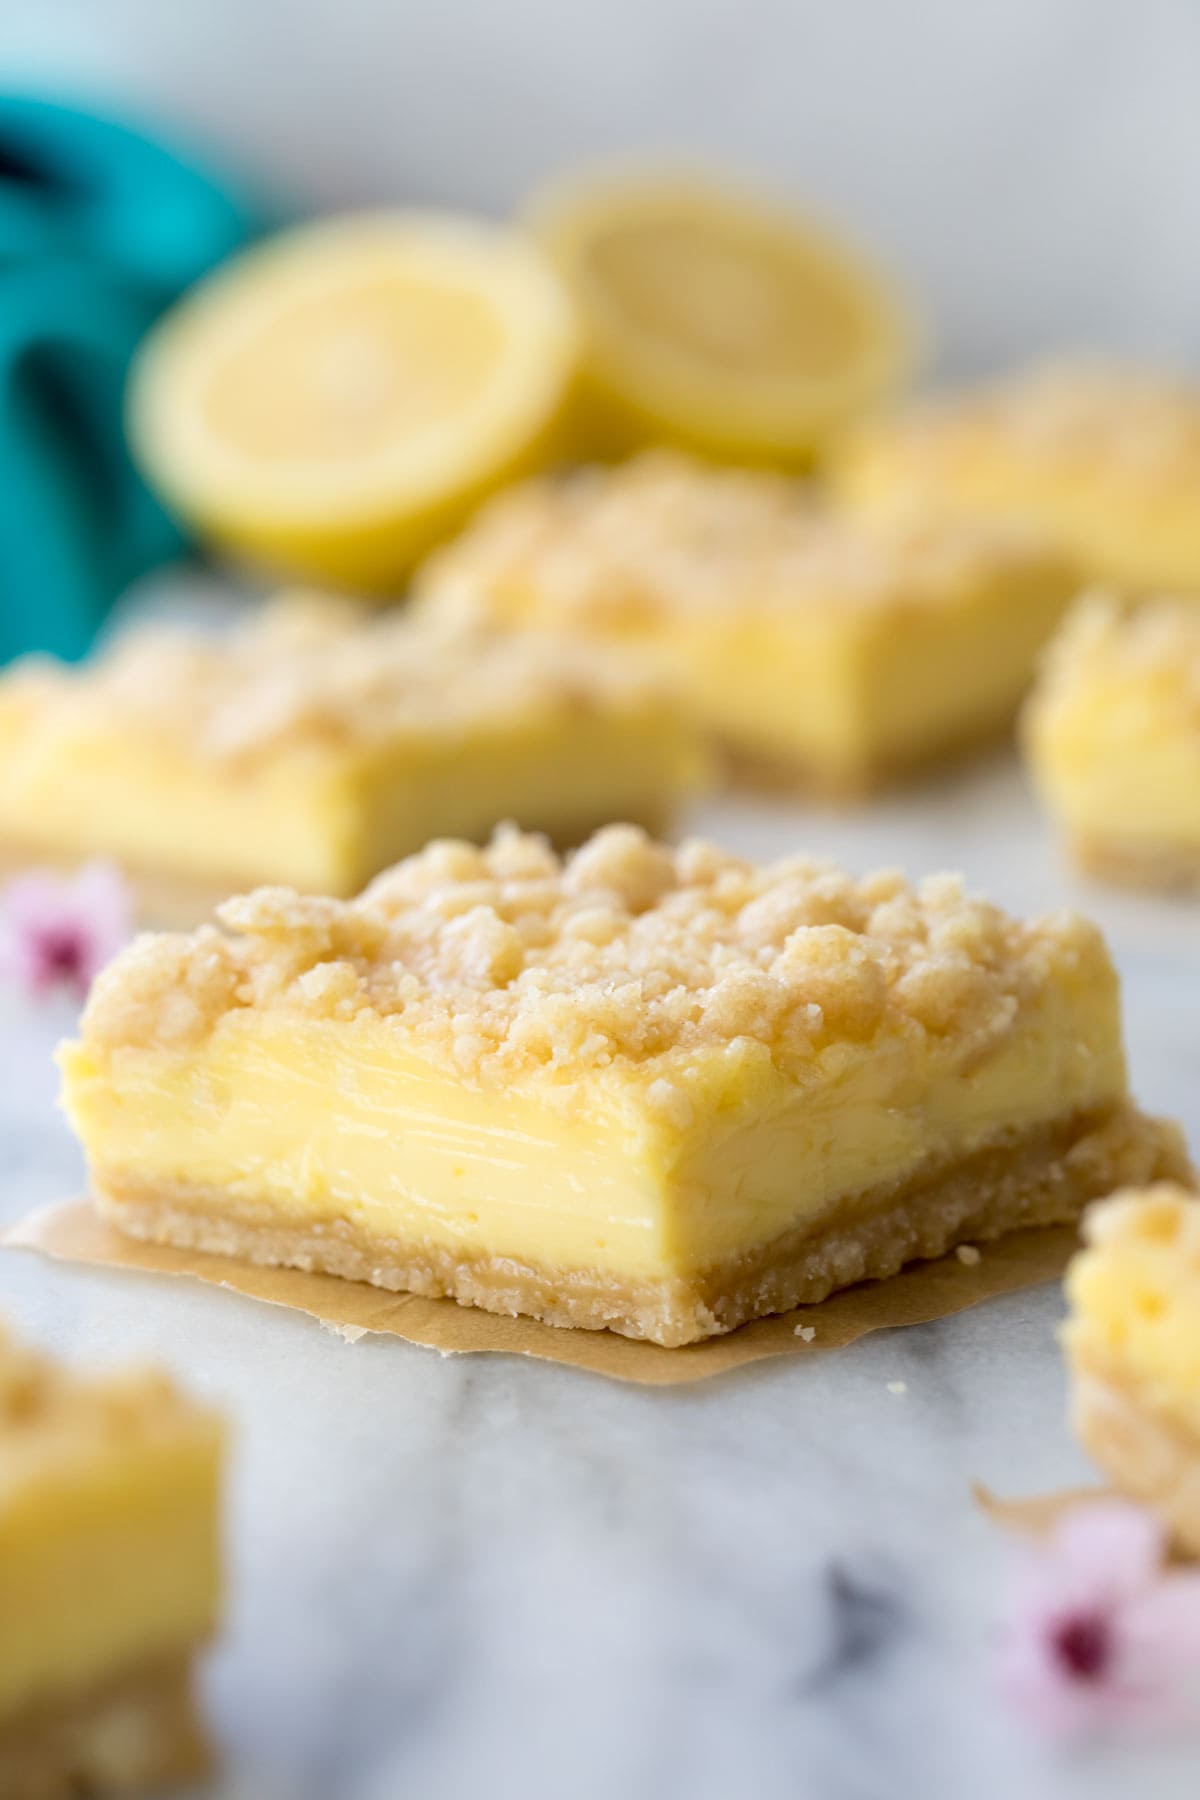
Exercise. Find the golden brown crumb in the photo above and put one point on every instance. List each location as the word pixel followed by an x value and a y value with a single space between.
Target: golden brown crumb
pixel 507 958
pixel 969 1255
pixel 310 671
pixel 661 535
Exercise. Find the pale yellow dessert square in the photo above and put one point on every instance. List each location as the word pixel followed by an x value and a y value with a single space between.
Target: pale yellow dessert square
pixel 316 742
pixel 109 1576
pixel 1133 1344
pixel 1102 457
pixel 815 646
pixel 657 1090
pixel 1112 737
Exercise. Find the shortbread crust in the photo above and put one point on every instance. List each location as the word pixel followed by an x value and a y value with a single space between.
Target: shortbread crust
pixel 1166 869
pixel 137 1732
pixel 1044 1177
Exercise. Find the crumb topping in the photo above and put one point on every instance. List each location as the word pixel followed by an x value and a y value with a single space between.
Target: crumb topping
pixel 310 670
pixel 662 536
pixel 505 960
pixel 1164 1215
pixel 1111 647
pixel 1137 425
pixel 49 1414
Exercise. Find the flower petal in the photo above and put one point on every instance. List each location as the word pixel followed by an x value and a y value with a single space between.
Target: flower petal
pixel 1112 1546
pixel 1162 1627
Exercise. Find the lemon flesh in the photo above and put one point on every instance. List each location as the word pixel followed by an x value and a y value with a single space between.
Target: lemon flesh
pixel 715 321
pixel 332 404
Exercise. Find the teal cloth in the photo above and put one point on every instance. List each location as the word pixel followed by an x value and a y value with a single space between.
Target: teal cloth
pixel 100 229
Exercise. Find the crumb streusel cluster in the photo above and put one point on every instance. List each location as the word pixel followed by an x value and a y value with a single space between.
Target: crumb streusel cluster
pixel 314 670
pixel 49 1413
pixel 662 536
pixel 1165 1215
pixel 1110 643
pixel 1096 415
pixel 507 959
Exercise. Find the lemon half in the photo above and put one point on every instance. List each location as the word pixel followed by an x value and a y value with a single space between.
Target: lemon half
pixel 716 320
pixel 333 403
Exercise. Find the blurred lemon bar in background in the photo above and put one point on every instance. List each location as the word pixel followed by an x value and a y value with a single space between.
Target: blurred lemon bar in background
pixel 817 647
pixel 1106 459
pixel 714 319
pixel 109 1578
pixel 1112 736
pixel 335 401
pixel 317 741
pixel 1133 1345
pixel 650 1090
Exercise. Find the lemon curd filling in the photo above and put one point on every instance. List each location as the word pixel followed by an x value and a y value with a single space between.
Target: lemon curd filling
pixel 1102 458
pixel 109 1575
pixel 640 1087
pixel 1112 734
pixel 314 744
pixel 808 642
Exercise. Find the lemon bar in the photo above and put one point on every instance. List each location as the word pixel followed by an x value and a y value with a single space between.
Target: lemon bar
pixel 661 1091
pixel 812 645
pixel 318 742
pixel 109 1578
pixel 1104 458
pixel 1133 1344
pixel 1112 734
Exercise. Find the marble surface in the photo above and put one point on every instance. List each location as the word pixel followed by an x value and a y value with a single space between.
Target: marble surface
pixel 459 1575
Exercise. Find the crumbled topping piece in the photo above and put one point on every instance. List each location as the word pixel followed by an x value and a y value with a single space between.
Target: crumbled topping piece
pixel 1136 425
pixel 508 959
pixel 307 671
pixel 615 548
pixel 1110 645
pixel 49 1414
pixel 1163 1215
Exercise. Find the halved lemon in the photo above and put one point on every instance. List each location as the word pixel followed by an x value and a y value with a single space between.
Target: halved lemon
pixel 716 320
pixel 334 402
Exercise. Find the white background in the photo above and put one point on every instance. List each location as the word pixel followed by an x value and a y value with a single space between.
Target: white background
pixel 1030 167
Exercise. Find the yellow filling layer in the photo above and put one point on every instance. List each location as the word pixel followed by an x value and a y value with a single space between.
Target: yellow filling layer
pixel 850 689
pixel 323 1120
pixel 327 821
pixel 107 1561
pixel 1122 766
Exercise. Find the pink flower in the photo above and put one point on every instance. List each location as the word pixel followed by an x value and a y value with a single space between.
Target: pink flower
pixel 56 930
pixel 1101 1631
